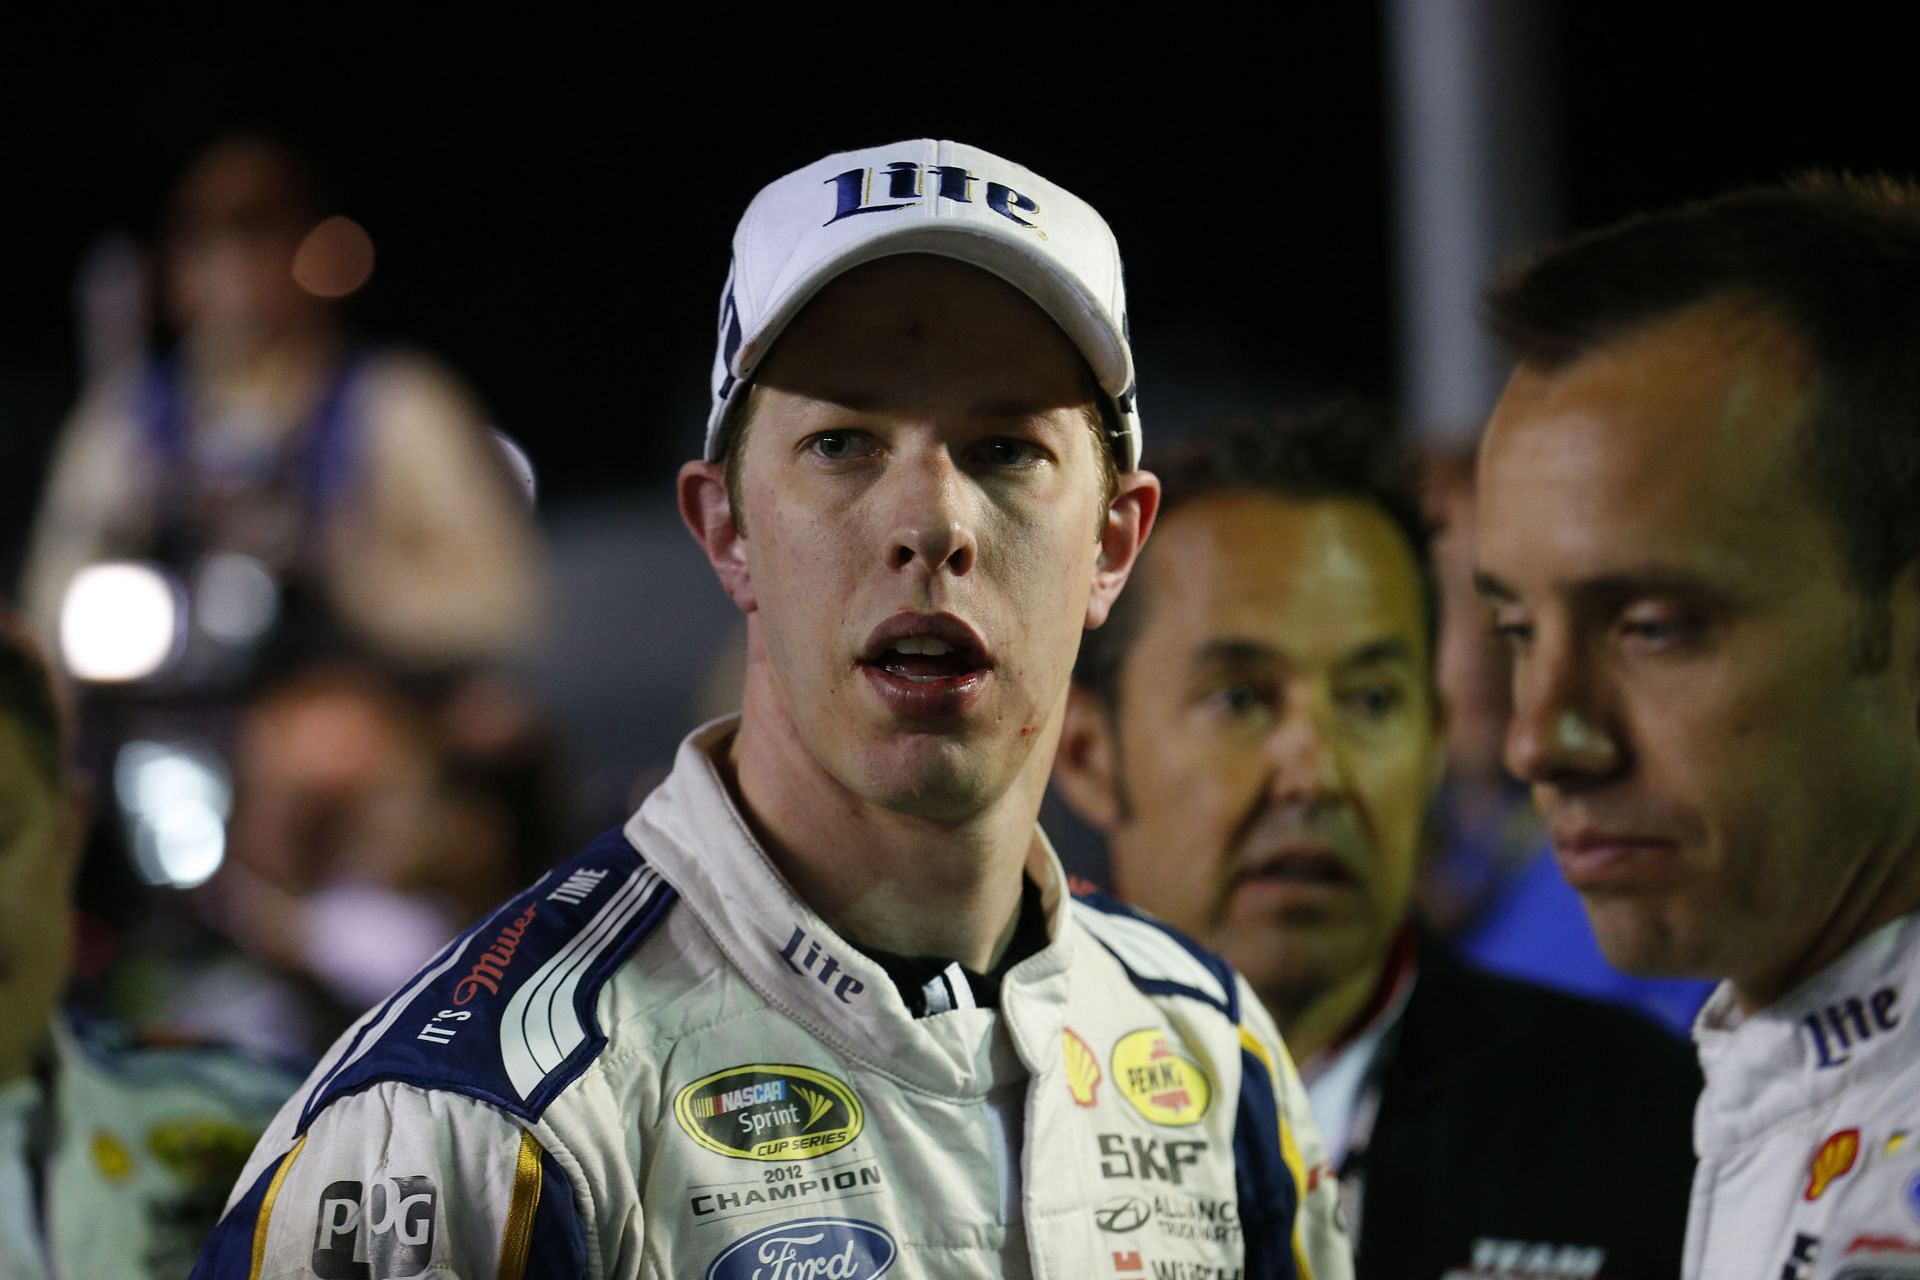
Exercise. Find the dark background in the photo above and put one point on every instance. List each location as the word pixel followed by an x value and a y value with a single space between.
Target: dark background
pixel 551 204
pixel 551 208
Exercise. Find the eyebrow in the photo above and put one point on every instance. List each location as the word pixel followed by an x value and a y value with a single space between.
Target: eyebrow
pixel 1247 652
pixel 993 408
pixel 1649 581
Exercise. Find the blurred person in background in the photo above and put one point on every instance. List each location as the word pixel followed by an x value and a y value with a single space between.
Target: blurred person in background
pixel 373 819
pixel 1490 884
pixel 359 477
pixel 1258 734
pixel 1699 536
pixel 114 1160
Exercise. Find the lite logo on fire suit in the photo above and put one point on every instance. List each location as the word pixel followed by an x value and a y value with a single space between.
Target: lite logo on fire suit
pixel 770 1111
pixel 803 963
pixel 811 1249
pixel 1840 1028
pixel 378 1232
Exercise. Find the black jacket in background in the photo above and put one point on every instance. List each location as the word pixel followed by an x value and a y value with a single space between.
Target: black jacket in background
pixel 1517 1115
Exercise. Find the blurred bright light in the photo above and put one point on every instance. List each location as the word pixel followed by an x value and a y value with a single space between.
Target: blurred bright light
pixel 334 259
pixel 176 798
pixel 234 597
pixel 119 621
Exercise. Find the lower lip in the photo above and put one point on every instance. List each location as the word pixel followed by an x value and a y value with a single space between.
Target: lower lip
pixel 1277 893
pixel 927 699
pixel 1618 865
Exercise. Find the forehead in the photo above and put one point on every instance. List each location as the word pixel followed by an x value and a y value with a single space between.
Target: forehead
pixel 1313 579
pixel 915 331
pixel 1675 444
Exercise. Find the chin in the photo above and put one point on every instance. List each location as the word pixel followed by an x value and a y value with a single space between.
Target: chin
pixel 1291 965
pixel 1640 939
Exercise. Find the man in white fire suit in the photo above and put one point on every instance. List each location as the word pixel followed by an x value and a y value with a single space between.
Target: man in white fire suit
pixel 1698 532
pixel 824 1007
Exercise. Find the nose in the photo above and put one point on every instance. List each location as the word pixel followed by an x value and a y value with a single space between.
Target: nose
pixel 1306 759
pixel 931 528
pixel 1561 730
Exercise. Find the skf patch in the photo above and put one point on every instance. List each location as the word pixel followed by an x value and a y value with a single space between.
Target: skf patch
pixel 767 1111
pixel 1834 1160
pixel 1165 1087
pixel 111 1157
pixel 1083 1068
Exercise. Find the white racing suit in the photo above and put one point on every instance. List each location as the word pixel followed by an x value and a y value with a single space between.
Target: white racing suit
pixel 658 1062
pixel 114 1163
pixel 1809 1130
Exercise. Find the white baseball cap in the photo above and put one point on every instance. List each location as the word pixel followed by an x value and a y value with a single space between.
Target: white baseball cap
pixel 936 197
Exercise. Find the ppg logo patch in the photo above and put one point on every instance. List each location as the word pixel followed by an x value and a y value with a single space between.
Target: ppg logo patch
pixel 378 1232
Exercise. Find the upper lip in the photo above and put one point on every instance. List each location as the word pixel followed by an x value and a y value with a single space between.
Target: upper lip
pixel 1589 837
pixel 954 632
pixel 1309 851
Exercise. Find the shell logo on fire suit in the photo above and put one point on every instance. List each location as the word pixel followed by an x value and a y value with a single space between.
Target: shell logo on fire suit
pixel 1163 1086
pixel 769 1111
pixel 1083 1068
pixel 1833 1160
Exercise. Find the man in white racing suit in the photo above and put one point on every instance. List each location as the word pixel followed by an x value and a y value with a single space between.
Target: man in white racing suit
pixel 1698 533
pixel 824 1006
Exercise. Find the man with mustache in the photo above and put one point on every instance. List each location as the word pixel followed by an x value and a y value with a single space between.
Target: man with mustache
pixel 1700 524
pixel 824 1006
pixel 1257 733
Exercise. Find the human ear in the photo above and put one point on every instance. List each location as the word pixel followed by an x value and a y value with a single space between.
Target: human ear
pixel 1083 764
pixel 708 514
pixel 1129 521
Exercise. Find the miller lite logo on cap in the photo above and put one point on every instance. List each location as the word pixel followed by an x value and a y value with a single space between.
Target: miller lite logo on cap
pixel 935 197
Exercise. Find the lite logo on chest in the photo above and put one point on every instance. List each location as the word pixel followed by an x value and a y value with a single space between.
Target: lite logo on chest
pixel 821 966
pixel 1840 1028
pixel 908 183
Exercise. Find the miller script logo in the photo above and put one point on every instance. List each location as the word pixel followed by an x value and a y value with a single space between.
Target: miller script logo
pixel 491 967
pixel 908 184
pixel 378 1232
pixel 811 1249
pixel 844 989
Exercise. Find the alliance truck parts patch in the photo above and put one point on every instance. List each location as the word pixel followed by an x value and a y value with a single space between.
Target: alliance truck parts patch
pixel 770 1111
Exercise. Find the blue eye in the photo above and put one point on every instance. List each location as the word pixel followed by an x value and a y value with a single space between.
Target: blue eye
pixel 1004 451
pixel 840 446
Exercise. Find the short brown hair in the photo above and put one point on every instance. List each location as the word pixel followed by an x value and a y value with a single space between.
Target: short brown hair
pixel 1834 257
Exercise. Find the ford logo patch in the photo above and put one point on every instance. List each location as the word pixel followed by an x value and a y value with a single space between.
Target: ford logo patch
pixel 811 1249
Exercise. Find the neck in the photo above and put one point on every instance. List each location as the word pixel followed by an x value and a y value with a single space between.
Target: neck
pixel 1313 1024
pixel 1883 890
pixel 904 883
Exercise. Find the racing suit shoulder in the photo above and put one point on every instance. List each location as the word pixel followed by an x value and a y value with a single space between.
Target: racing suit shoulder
pixel 1158 959
pixel 424 1123
pixel 1288 1200
pixel 396 1180
pixel 507 1012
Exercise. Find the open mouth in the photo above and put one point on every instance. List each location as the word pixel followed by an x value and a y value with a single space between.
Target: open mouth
pixel 1305 867
pixel 926 648
pixel 926 663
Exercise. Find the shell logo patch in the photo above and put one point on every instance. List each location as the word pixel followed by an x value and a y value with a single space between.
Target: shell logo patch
pixel 1163 1085
pixel 1834 1160
pixel 1083 1068
pixel 111 1157
pixel 768 1111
